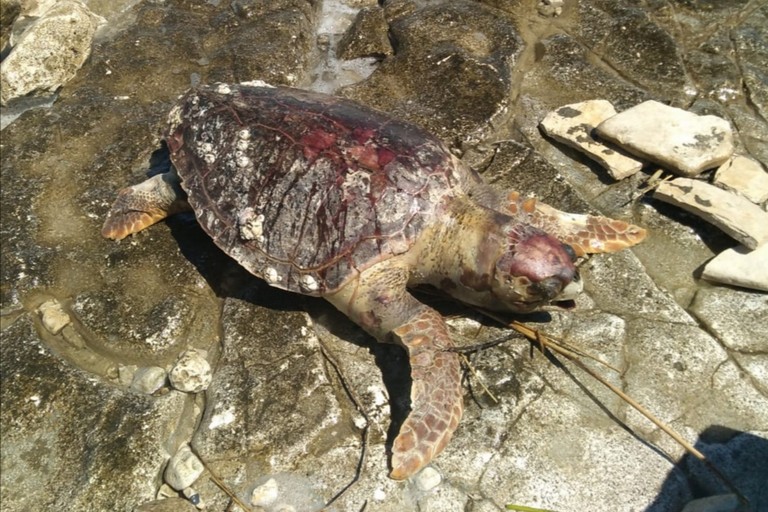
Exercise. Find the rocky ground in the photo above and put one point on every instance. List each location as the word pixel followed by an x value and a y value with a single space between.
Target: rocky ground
pixel 298 402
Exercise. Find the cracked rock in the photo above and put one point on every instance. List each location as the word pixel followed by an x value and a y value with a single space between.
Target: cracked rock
pixel 49 52
pixel 736 216
pixel 574 125
pixel 739 266
pixel 679 141
pixel 67 424
pixel 367 36
pixel 748 335
pixel 461 39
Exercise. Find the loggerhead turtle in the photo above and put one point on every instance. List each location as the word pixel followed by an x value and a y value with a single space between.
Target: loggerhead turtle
pixel 322 196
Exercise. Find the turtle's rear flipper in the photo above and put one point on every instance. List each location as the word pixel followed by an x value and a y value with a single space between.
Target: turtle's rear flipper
pixel 142 205
pixel 379 302
pixel 436 395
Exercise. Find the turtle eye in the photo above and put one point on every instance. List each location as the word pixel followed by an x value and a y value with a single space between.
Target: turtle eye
pixel 571 253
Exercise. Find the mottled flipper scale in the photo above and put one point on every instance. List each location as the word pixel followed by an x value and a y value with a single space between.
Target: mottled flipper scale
pixel 436 396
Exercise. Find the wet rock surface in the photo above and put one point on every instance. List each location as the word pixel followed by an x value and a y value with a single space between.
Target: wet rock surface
pixel 298 393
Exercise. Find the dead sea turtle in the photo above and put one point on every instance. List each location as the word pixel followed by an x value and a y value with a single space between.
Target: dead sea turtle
pixel 325 197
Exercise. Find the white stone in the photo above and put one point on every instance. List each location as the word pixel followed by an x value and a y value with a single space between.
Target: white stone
pixel 574 124
pixel 428 478
pixel 49 52
pixel 191 373
pixel 166 491
pixel 680 141
pixel 148 380
pixel 53 316
pixel 265 494
pixel 745 176
pixel 735 215
pixel 740 267
pixel 223 89
pixel 257 83
pixel 183 469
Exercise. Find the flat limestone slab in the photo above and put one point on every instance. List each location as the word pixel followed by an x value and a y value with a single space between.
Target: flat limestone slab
pixel 745 176
pixel 574 124
pixel 737 216
pixel 740 267
pixel 680 141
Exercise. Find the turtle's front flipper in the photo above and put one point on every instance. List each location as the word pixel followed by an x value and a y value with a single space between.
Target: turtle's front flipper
pixel 379 302
pixel 142 205
pixel 586 234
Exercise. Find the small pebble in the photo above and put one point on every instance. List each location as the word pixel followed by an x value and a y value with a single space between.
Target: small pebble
pixel 183 469
pixel 148 380
pixel 125 374
pixel 166 491
pixel 428 479
pixel 265 494
pixel 73 337
pixel 53 316
pixel 191 373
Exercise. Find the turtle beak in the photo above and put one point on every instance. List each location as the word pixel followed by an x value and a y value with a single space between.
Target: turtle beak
pixel 566 298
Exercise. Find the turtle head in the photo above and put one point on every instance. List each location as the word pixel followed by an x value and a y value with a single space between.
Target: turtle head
pixel 533 270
